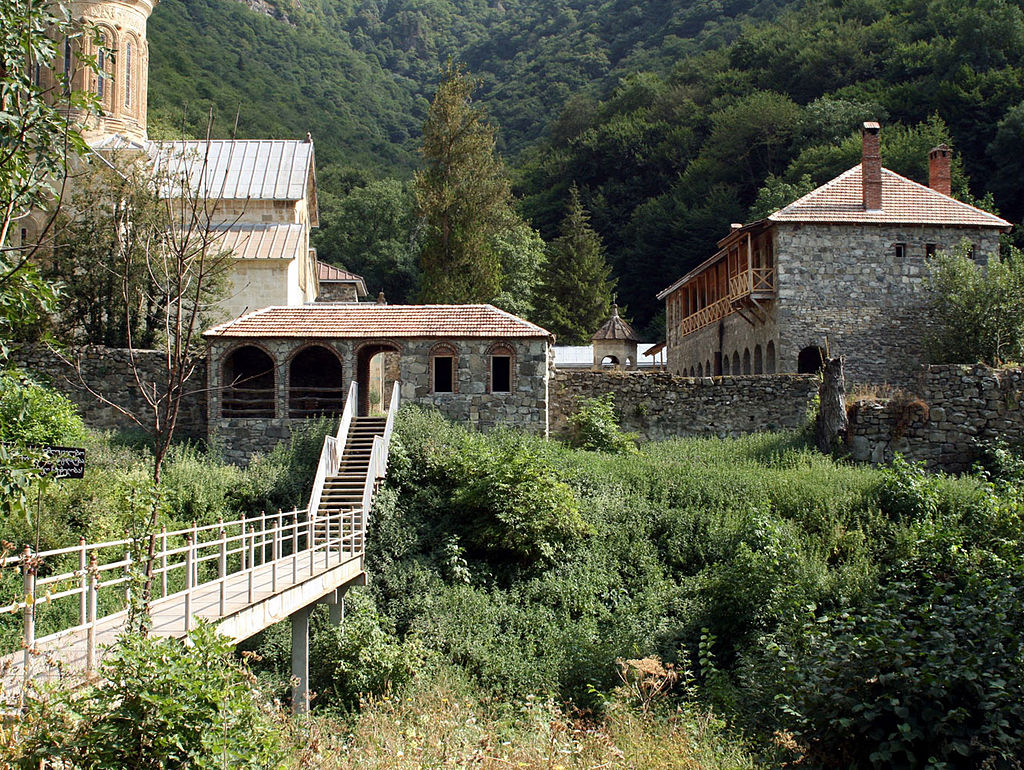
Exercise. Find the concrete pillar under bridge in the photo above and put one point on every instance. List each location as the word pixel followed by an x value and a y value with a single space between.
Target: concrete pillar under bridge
pixel 335 601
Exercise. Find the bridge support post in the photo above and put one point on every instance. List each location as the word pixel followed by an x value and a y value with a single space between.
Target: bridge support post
pixel 300 660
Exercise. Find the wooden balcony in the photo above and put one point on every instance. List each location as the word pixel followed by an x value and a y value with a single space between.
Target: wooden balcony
pixel 758 282
pixel 706 315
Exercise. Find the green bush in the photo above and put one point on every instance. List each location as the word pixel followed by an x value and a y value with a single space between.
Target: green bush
pixel 159 704
pixel 595 427
pixel 31 413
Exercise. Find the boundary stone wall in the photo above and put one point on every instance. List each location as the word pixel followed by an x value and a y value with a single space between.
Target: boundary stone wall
pixel 953 407
pixel 109 371
pixel 659 405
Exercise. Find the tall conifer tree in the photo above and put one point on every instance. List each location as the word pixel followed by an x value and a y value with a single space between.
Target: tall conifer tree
pixel 464 198
pixel 575 297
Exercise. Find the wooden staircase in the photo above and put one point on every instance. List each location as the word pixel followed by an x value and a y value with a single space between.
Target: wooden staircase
pixel 344 490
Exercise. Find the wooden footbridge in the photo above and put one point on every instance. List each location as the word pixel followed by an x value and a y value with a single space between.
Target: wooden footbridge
pixel 242 575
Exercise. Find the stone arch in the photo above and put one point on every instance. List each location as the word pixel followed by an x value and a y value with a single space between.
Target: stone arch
pixel 736 362
pixel 769 357
pixel 249 379
pixel 610 362
pixel 316 384
pixel 700 370
pixel 444 368
pixel 810 360
pixel 726 369
pixel 501 368
pixel 708 370
pixel 746 360
pixel 758 360
pixel 365 353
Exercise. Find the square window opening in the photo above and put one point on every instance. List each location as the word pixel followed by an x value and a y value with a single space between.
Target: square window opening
pixel 930 249
pixel 501 374
pixel 444 371
pixel 899 250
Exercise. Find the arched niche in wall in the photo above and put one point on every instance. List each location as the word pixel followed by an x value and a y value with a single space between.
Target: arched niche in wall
pixel 248 383
pixel 810 360
pixel 315 383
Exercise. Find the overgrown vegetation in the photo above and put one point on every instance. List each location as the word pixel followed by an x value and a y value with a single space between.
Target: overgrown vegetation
pixel 692 603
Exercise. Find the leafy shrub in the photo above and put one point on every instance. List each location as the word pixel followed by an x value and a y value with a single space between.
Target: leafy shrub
pixel 31 413
pixel 908 492
pixel 930 673
pixel 595 427
pixel 159 704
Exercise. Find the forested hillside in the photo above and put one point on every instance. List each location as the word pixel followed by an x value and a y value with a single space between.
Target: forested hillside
pixel 673 119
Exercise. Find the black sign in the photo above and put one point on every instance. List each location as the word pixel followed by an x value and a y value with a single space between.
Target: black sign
pixel 62 462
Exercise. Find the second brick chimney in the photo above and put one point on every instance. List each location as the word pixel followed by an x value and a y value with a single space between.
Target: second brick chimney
pixel 871 167
pixel 938 170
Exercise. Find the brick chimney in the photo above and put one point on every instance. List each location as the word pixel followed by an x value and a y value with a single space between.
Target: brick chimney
pixel 938 170
pixel 871 167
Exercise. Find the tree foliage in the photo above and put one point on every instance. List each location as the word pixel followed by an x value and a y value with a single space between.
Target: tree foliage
pixel 463 196
pixel 575 294
pixel 976 312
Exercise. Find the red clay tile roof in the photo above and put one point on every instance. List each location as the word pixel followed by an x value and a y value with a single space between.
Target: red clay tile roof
pixel 903 202
pixel 372 320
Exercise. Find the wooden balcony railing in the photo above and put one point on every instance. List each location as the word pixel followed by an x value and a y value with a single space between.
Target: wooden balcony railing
pixel 248 402
pixel 758 280
pixel 311 402
pixel 706 315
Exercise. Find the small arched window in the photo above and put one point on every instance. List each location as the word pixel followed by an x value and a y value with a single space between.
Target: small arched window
pixel 746 361
pixel 736 362
pixel 700 370
pixel 67 64
pixel 101 69
pixel 758 360
pixel 502 368
pixel 769 363
pixel 725 365
pixel 444 367
pixel 128 56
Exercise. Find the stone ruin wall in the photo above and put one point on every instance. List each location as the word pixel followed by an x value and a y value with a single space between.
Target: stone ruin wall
pixel 109 372
pixel 659 405
pixel 942 418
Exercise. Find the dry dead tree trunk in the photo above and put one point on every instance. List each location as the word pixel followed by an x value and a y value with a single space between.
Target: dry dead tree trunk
pixel 831 424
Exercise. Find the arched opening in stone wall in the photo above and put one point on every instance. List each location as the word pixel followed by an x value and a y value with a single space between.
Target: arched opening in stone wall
pixel 700 370
pixel 736 363
pixel 248 383
pixel 377 369
pixel 610 362
pixel 758 360
pixel 769 358
pixel 502 368
pixel 726 366
pixel 810 360
pixel 315 386
pixel 746 360
pixel 707 369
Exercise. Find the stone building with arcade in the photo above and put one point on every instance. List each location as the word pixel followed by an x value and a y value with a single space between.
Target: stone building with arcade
pixel 272 368
pixel 839 270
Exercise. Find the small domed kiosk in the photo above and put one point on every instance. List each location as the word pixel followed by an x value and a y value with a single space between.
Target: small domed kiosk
pixel 615 344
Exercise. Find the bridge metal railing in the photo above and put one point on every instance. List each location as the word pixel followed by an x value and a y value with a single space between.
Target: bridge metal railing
pixel 91 583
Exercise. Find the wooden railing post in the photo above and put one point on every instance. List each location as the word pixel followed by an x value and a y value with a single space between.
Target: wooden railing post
pixel 90 634
pixel 222 564
pixel 83 566
pixel 295 547
pixel 189 566
pixel 163 561
pixel 29 585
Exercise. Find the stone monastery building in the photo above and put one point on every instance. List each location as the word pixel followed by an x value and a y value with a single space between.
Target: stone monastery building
pixel 262 194
pixel 839 270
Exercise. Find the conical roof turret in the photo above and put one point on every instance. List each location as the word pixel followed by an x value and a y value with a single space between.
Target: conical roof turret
pixel 615 328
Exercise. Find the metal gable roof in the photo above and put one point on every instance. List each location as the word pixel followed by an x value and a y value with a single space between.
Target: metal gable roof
pixel 237 169
pixel 248 241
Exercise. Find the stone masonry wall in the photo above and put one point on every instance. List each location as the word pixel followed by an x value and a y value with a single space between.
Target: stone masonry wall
pixel 843 287
pixel 658 405
pixel 108 371
pixel 526 406
pixel 952 408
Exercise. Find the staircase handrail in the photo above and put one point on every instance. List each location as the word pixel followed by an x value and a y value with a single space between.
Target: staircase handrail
pixel 378 464
pixel 333 448
pixel 348 413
